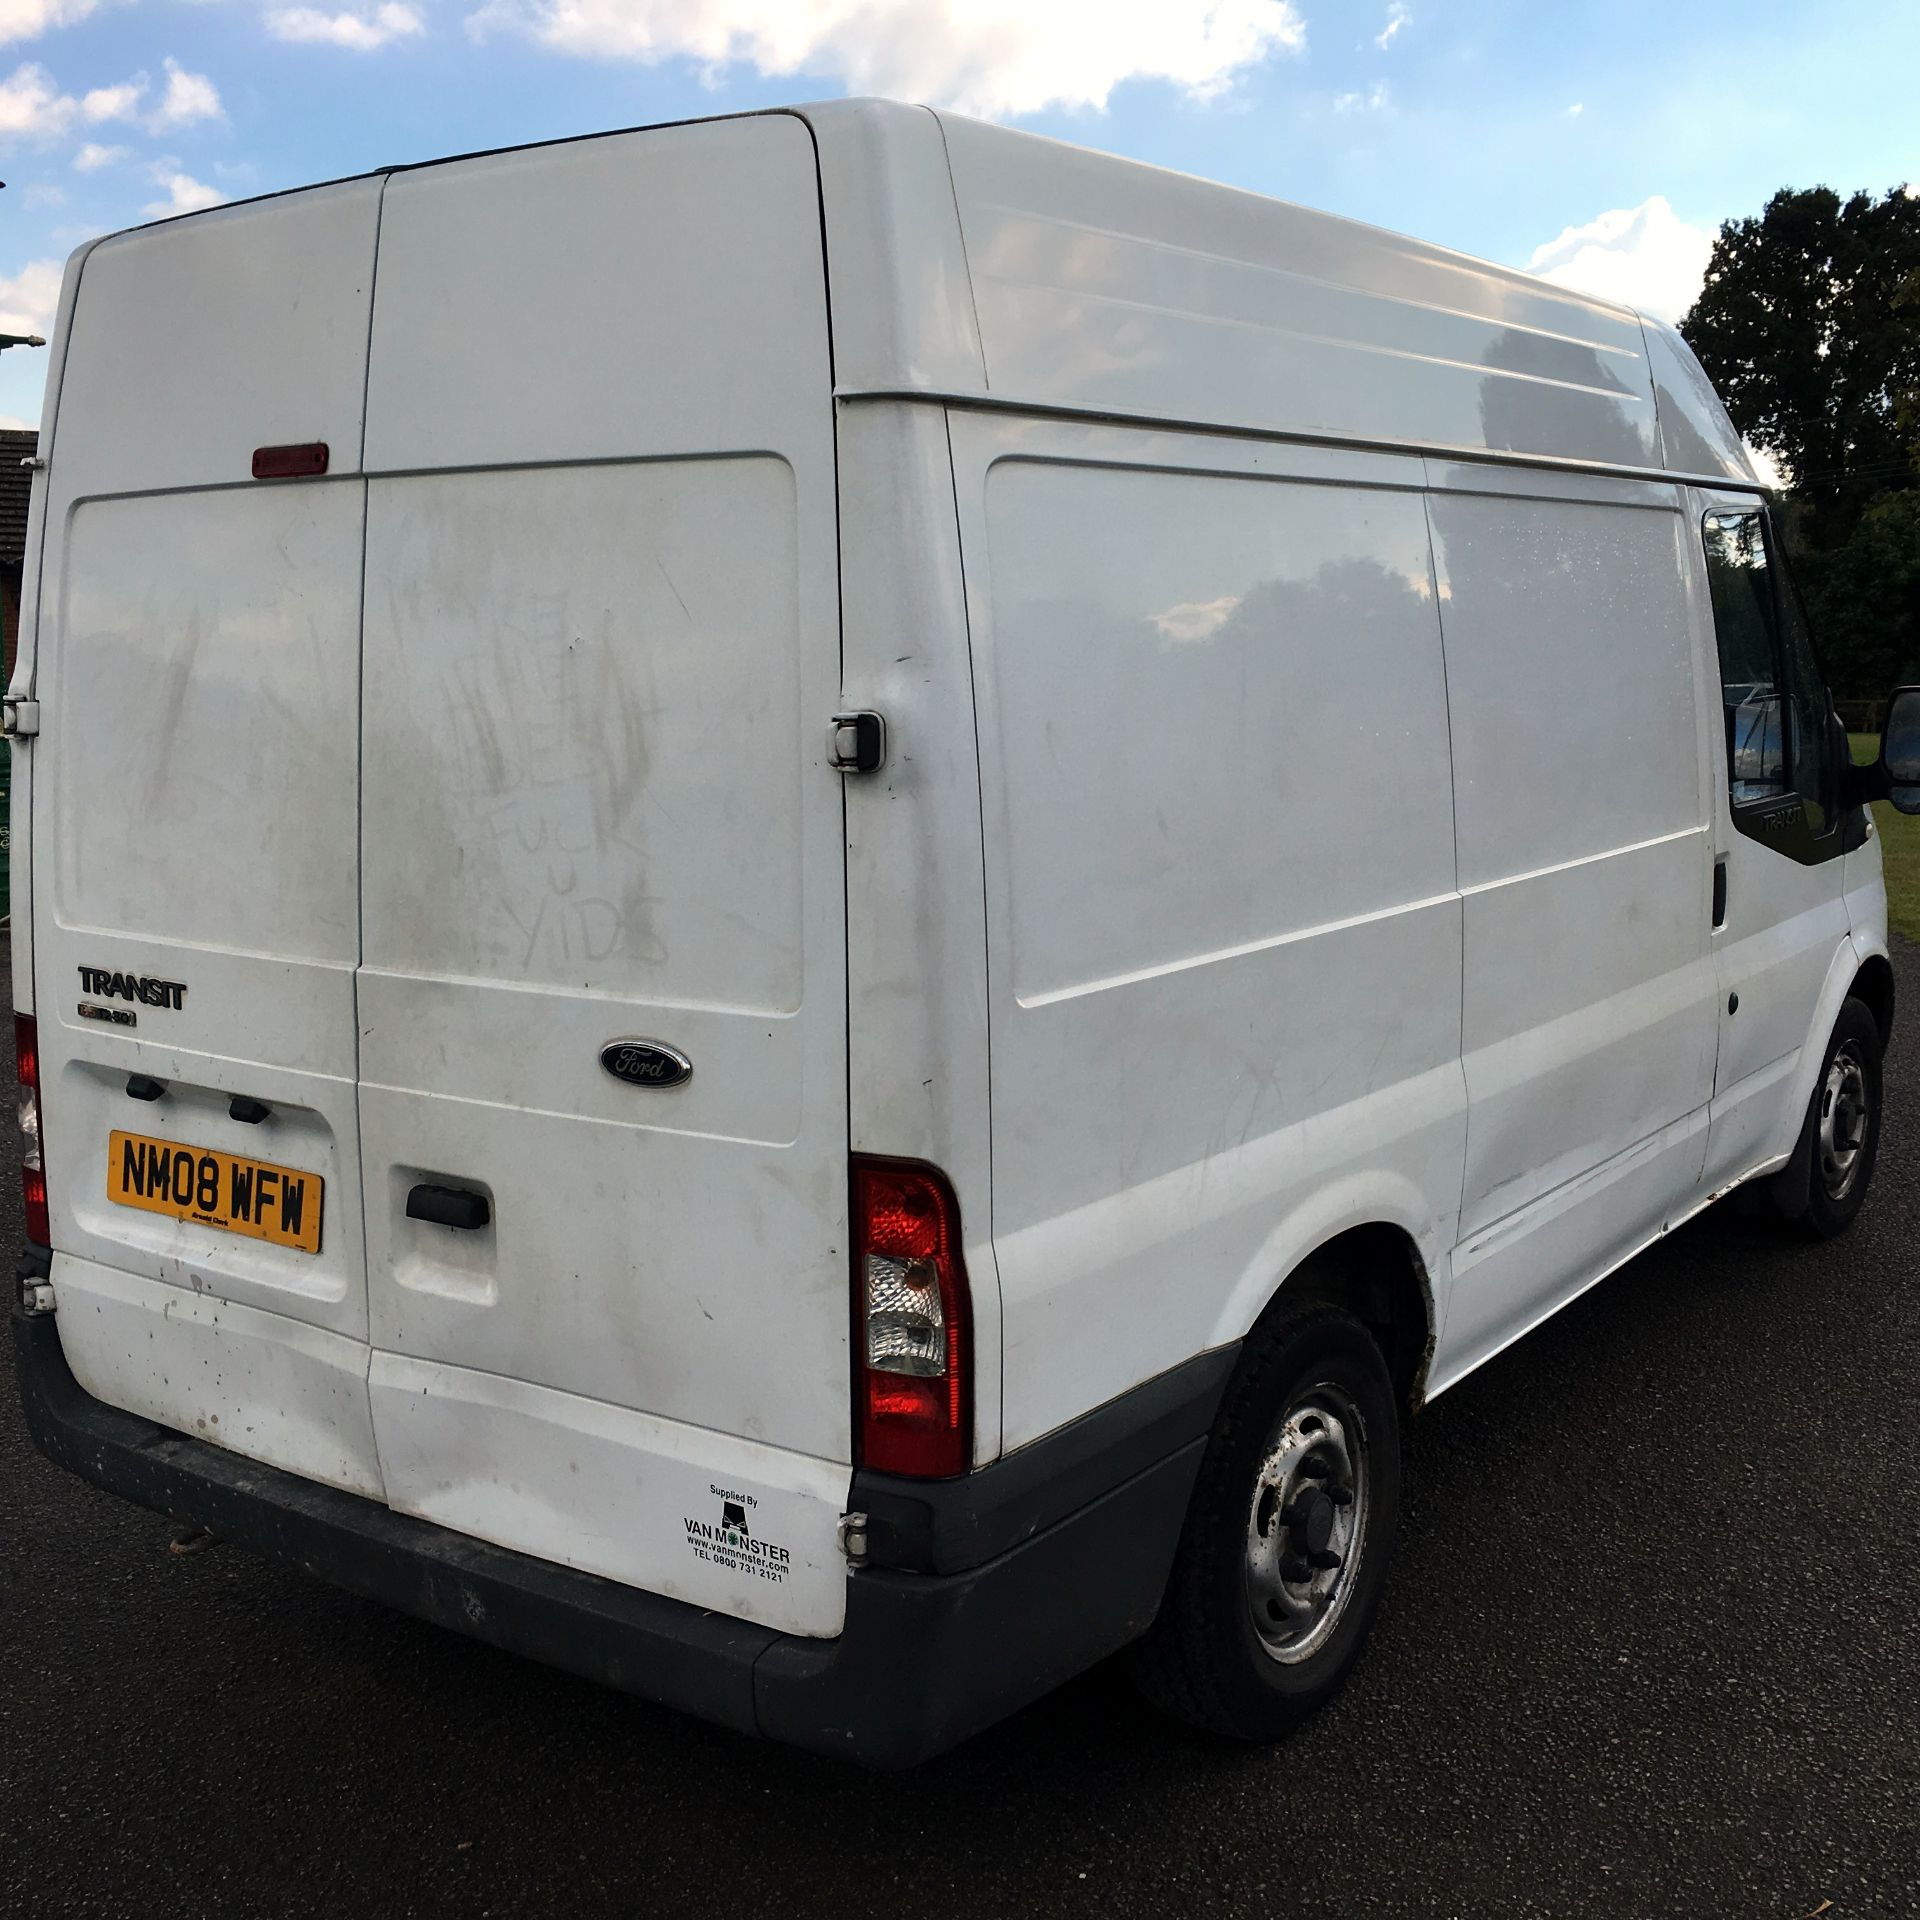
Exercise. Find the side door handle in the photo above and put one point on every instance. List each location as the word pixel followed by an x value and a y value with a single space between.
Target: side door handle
pixel 1719 893
pixel 449 1207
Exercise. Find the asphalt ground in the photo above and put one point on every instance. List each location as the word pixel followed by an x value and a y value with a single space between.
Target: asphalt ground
pixel 1651 1647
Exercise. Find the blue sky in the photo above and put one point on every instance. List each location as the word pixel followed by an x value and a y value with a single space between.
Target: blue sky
pixel 1601 144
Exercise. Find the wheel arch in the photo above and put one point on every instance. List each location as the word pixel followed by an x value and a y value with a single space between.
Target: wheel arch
pixel 1873 984
pixel 1376 1269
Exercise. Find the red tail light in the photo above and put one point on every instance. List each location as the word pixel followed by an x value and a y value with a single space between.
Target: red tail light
pixel 913 1359
pixel 33 1167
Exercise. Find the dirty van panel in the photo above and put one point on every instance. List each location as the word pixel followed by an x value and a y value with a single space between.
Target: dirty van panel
pixel 197 341
pixel 197 801
pixel 587 710
pixel 603 993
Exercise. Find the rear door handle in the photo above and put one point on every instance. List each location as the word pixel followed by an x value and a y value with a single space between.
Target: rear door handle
pixel 1720 893
pixel 449 1207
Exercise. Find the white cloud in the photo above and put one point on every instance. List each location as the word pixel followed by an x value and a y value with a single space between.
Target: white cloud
pixel 43 193
pixel 1376 99
pixel 1397 17
pixel 358 32
pixel 31 107
pixel 189 97
pixel 28 300
pixel 28 19
pixel 185 194
pixel 114 103
pixel 92 157
pixel 12 423
pixel 993 57
pixel 1771 472
pixel 1576 110
pixel 1644 256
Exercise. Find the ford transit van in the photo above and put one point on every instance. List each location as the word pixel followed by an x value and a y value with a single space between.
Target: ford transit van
pixel 826 987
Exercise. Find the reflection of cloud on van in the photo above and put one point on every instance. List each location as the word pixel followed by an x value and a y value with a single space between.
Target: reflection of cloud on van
pixel 1239 640
pixel 1197 619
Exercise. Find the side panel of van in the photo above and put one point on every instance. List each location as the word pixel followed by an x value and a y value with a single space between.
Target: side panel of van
pixel 1585 866
pixel 601 656
pixel 1223 935
pixel 917 1054
pixel 196 793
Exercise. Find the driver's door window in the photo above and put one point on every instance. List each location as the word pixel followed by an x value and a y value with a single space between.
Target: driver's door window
pixel 1781 770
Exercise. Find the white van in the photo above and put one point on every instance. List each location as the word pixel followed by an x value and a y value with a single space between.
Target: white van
pixel 806 904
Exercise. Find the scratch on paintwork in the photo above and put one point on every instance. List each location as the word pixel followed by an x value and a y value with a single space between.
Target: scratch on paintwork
pixel 671 588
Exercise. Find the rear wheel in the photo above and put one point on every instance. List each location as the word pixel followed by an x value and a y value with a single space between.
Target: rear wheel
pixel 1285 1549
pixel 1841 1140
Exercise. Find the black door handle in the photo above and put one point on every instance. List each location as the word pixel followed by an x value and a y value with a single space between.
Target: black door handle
pixel 448 1207
pixel 142 1086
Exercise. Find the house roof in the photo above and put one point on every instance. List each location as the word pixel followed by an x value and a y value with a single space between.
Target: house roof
pixel 16 484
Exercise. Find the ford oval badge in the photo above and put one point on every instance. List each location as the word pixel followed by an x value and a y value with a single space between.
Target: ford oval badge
pixel 646 1063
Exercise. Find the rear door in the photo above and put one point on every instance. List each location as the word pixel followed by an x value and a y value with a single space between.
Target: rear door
pixel 197 890
pixel 602 845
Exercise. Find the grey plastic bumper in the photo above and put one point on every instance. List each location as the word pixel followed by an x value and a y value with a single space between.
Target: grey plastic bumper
pixel 1065 1545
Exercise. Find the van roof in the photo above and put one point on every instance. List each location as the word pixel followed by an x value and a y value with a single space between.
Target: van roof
pixel 978 264
pixel 1034 274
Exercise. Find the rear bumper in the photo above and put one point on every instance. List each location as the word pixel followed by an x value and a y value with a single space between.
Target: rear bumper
pixel 1003 1584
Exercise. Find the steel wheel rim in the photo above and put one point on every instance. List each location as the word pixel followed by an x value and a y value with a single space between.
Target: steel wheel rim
pixel 1309 1504
pixel 1845 1109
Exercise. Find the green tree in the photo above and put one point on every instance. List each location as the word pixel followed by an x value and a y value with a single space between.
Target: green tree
pixel 1809 326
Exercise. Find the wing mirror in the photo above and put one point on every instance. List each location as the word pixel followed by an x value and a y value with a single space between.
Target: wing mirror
pixel 1900 749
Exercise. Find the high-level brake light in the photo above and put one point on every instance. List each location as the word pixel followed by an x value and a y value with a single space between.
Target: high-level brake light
pixel 913 1331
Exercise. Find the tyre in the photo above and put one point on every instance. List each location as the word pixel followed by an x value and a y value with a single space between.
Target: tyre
pixel 1841 1140
pixel 1284 1552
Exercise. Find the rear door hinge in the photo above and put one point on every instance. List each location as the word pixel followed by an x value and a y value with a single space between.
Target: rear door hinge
pixel 19 719
pixel 852 1533
pixel 857 742
pixel 32 1275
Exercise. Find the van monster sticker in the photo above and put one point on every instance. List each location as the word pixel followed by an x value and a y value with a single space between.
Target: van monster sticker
pixel 731 1542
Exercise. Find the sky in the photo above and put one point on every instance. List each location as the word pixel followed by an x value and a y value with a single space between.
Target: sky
pixel 1600 145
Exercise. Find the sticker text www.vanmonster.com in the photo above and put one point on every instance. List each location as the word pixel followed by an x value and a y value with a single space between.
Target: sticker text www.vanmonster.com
pixel 732 1543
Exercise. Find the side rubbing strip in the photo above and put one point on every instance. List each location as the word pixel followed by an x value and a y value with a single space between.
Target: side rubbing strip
pixel 290 463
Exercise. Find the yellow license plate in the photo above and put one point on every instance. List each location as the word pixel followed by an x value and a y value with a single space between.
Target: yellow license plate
pixel 253 1197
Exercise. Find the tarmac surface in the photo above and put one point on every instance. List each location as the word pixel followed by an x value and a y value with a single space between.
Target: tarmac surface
pixel 1651 1647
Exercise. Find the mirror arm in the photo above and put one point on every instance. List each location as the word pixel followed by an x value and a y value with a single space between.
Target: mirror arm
pixel 1859 785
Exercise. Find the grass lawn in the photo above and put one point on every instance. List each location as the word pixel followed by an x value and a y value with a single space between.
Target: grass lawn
pixel 1899 848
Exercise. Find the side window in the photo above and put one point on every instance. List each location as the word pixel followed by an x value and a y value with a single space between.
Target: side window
pixel 1748 629
pixel 1811 745
pixel 1773 699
